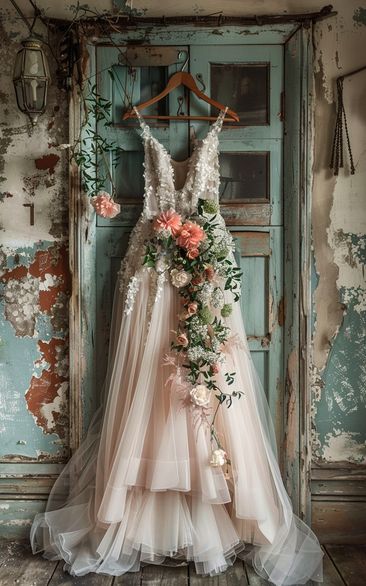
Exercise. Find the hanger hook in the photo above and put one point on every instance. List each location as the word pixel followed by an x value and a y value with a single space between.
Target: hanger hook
pixel 186 61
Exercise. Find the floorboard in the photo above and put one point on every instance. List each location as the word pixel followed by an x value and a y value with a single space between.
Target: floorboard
pixel 344 565
pixel 350 560
pixel 61 578
pixel 129 579
pixel 253 578
pixel 164 576
pixel 21 567
pixel 332 576
pixel 234 576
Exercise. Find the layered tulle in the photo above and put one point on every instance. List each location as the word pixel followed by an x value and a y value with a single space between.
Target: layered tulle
pixel 140 487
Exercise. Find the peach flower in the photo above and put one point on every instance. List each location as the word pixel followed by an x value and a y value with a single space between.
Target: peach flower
pixel 168 221
pixel 182 340
pixel 192 308
pixel 190 235
pixel 104 205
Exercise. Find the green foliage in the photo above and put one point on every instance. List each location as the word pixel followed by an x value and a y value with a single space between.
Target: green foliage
pixel 92 152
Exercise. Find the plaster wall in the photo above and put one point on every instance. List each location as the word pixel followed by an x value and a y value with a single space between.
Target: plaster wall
pixel 34 267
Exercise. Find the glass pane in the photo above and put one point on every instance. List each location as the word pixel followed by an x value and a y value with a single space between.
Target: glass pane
pixel 244 87
pixel 35 92
pixel 33 64
pixel 18 64
pixel 129 178
pixel 151 81
pixel 244 176
pixel 19 93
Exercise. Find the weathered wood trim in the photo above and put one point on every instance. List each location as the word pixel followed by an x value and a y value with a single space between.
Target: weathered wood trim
pixel 339 521
pixel 297 206
pixel 82 263
pixel 338 495
pixel 306 178
pixel 75 342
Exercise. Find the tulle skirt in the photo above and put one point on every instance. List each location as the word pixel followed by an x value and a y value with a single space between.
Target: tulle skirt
pixel 140 487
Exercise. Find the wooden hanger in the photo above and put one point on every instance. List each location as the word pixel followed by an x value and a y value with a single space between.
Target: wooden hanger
pixel 186 79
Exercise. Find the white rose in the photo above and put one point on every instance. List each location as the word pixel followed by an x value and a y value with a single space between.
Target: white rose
pixel 200 395
pixel 180 278
pixel 218 458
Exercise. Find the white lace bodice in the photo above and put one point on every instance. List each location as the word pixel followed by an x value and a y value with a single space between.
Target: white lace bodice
pixel 202 182
pixel 202 179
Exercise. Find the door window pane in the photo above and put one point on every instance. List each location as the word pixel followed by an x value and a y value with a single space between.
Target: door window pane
pixel 244 176
pixel 129 180
pixel 244 87
pixel 139 84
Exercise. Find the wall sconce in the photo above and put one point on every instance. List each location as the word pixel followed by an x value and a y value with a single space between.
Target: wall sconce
pixel 31 78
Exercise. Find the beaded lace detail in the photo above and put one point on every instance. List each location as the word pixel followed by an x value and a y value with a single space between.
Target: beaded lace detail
pixel 202 182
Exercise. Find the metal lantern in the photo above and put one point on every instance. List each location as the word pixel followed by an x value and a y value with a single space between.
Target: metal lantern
pixel 31 78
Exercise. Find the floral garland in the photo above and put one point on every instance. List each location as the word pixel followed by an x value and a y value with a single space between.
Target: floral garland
pixel 195 252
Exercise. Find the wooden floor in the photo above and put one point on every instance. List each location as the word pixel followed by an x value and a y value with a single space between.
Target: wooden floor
pixel 343 565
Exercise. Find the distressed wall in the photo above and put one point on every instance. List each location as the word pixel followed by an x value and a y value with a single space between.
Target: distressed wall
pixel 339 241
pixel 34 271
pixel 34 266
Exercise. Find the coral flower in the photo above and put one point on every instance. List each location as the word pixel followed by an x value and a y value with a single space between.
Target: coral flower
pixel 192 253
pixel 190 236
pixel 104 205
pixel 168 221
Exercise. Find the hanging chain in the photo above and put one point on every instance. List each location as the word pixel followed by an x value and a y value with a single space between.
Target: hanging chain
pixel 337 148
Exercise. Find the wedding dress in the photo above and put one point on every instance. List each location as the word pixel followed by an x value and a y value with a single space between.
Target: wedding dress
pixel 153 479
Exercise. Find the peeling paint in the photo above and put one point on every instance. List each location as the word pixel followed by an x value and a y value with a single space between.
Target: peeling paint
pixel 47 395
pixel 35 289
pixel 47 163
pixel 345 446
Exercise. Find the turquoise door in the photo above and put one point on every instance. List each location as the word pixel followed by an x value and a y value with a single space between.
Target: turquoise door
pixel 249 79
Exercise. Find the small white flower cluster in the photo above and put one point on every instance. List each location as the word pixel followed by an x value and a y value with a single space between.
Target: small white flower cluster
pixel 204 294
pixel 197 329
pixel 217 298
pixel 200 353
pixel 215 344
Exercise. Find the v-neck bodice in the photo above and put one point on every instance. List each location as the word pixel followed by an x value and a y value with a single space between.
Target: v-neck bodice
pixel 202 177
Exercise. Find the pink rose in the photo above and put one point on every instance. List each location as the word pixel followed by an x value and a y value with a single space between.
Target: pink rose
pixel 192 253
pixel 104 205
pixel 182 340
pixel 215 368
pixel 192 308
pixel 170 221
pixel 190 235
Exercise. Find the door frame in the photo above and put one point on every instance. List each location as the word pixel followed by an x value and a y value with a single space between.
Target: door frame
pixel 296 306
